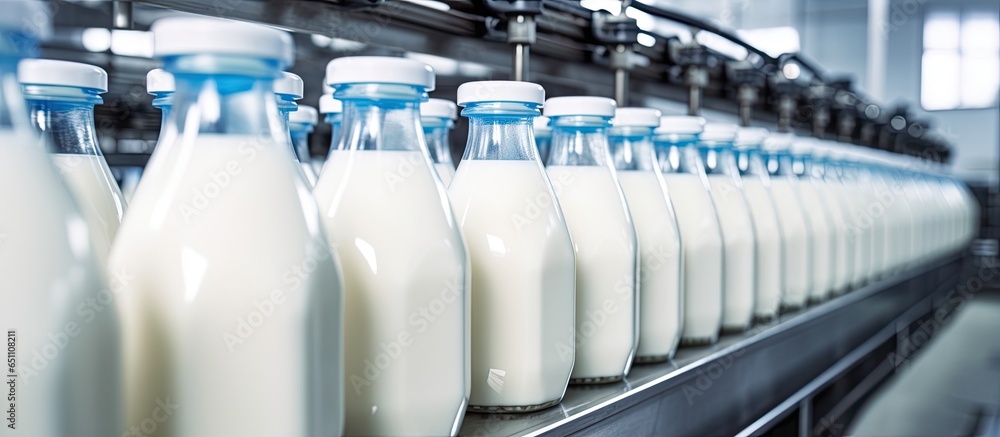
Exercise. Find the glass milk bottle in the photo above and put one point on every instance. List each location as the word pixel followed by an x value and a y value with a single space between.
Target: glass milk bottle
pixel 65 351
pixel 543 137
pixel 61 97
pixel 795 232
pixel 300 124
pixel 405 264
pixel 288 88
pixel 860 224
pixel 716 147
pixel 676 142
pixel 757 189
pixel 660 270
pixel 817 170
pixel 231 279
pixel 438 117
pixel 603 237
pixel 823 248
pixel 873 216
pixel 523 266
pixel 333 112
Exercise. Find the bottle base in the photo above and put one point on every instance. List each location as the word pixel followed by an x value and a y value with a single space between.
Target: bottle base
pixel 653 358
pixel 597 380
pixel 786 308
pixel 727 330
pixel 698 341
pixel 504 409
pixel 763 318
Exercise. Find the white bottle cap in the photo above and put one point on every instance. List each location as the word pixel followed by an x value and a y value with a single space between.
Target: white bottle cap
pixel 751 136
pixel 379 69
pixel 680 124
pixel 541 125
pixel 61 73
pixel 203 35
pixel 725 132
pixel 579 105
pixel 159 81
pixel 289 84
pixel 500 91
pixel 439 108
pixel 305 115
pixel 636 117
pixel 330 105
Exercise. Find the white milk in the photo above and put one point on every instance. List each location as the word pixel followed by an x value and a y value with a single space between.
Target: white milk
pixel 523 283
pixel 823 241
pixel 660 287
pixel 796 239
pixel 738 239
pixel 861 227
pixel 66 350
pixel 233 307
pixel 405 292
pixel 703 257
pixel 445 171
pixel 606 268
pixel 768 233
pixel 842 256
pixel 97 195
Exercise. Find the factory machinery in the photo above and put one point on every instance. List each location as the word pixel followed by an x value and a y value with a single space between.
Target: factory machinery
pixel 805 373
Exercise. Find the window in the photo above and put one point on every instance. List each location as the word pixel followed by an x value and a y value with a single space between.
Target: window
pixel 960 68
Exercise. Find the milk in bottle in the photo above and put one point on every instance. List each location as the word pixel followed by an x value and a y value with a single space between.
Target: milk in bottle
pixel 603 237
pixel 65 352
pixel 405 265
pixel 795 232
pixel 332 111
pixel 660 270
pixel 438 117
pixel 739 241
pixel 830 190
pixel 61 97
pixel 288 88
pixel 543 137
pixel 300 125
pixel 860 225
pixel 523 267
pixel 230 278
pixel 757 188
pixel 823 239
pixel 675 141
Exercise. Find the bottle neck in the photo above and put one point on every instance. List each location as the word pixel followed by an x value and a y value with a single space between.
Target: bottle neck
pixel 225 104
pixel 68 127
pixel 300 140
pixel 678 153
pixel 436 133
pixel 632 148
pixel 381 117
pixel 580 141
pixel 501 131
pixel 719 158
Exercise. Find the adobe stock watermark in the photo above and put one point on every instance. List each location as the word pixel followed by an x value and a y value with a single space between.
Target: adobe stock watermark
pixel 263 309
pixel 161 413
pixel 87 311
pixel 220 179
pixel 537 206
pixel 418 321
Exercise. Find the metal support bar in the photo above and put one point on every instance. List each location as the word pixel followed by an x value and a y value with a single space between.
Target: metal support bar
pixel 521 32
pixel 122 14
